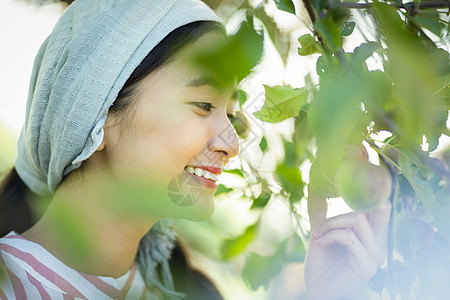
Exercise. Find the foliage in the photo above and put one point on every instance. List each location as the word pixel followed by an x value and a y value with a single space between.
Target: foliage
pixel 397 108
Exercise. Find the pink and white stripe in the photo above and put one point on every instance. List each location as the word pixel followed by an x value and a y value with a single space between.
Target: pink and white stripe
pixel 29 271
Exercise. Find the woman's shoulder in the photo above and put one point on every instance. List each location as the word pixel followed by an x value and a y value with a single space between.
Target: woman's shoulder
pixel 29 271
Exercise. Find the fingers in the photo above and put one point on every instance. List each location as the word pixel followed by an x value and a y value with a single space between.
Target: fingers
pixel 317 209
pixel 359 227
pixel 360 260
pixel 379 220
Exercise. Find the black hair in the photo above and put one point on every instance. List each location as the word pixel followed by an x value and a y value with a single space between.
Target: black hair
pixel 17 214
pixel 161 55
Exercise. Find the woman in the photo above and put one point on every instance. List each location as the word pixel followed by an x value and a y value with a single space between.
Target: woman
pixel 123 130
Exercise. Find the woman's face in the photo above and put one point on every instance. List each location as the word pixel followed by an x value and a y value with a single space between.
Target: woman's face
pixel 180 120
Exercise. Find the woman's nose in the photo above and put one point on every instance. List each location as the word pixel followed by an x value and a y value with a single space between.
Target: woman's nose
pixel 225 140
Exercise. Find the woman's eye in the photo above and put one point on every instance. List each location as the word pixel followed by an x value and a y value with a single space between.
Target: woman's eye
pixel 206 106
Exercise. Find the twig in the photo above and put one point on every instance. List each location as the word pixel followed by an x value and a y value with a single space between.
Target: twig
pixel 312 15
pixel 393 171
pixel 408 6
pixel 310 10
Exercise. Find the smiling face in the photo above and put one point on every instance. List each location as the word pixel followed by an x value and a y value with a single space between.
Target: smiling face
pixel 179 125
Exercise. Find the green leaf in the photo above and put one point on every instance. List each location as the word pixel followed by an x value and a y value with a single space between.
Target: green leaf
pixel 290 179
pixel 335 115
pixel 302 134
pixel 281 103
pixel 285 5
pixel 428 21
pixel 278 37
pixel 291 158
pixel 329 32
pixel 259 270
pixel 424 192
pixel 233 247
pixel 236 58
pixel 235 172
pixel 240 124
pixel 347 28
pixel 308 45
pixel 318 5
pixel 263 144
pixel 262 199
pixel 222 189
pixel 364 51
pixel 241 97
pixel 7 150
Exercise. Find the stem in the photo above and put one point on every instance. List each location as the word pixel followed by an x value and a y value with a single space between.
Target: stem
pixel 393 170
pixel 310 10
pixel 390 243
pixel 312 15
pixel 408 6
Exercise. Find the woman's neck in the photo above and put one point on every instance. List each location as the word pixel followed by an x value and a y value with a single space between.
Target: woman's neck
pixel 80 229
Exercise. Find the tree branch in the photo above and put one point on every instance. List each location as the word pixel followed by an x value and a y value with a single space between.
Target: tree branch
pixel 310 10
pixel 407 6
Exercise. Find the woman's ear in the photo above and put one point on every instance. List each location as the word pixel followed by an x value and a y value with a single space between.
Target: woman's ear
pixel 102 145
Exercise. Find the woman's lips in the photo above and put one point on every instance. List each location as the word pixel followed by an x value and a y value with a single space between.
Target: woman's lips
pixel 206 182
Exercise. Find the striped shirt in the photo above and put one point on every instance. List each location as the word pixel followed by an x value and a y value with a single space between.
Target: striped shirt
pixel 29 271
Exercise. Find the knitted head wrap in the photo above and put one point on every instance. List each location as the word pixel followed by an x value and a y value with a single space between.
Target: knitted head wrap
pixel 78 73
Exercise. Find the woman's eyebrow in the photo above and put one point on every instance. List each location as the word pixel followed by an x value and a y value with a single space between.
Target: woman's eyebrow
pixel 202 80
pixel 209 80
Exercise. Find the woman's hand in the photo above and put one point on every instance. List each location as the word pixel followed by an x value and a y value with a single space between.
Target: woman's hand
pixel 344 251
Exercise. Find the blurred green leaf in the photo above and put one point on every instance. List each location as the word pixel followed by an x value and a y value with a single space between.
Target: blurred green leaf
pixel 290 179
pixel 290 154
pixel 335 115
pixel 221 189
pixel 240 124
pixel 302 134
pixel 236 58
pixel 262 199
pixel 429 21
pixel 329 32
pixel 413 238
pixel 285 5
pixel 327 67
pixel 67 222
pixel 417 73
pixel 279 39
pixel 233 247
pixel 259 270
pixel 319 4
pixel 338 14
pixel 281 103
pixel 263 144
pixel 241 97
pixel 364 51
pixel 424 192
pixel 308 45
pixel 347 28
pixel 235 172
pixel 7 149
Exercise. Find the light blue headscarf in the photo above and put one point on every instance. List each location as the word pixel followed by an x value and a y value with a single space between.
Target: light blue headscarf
pixel 78 73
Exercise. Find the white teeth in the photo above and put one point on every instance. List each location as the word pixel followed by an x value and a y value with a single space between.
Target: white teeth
pixel 207 174
pixel 198 172
pixel 203 173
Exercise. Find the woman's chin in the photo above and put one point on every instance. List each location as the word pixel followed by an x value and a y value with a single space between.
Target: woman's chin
pixel 200 211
